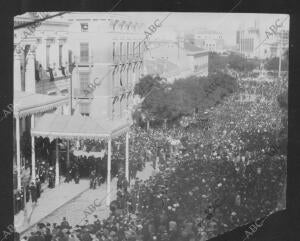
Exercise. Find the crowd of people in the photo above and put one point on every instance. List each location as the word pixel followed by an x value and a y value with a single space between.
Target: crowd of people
pixel 221 177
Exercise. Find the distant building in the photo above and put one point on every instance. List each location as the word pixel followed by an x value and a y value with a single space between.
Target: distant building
pixel 209 40
pixel 276 45
pixel 175 59
pixel 248 40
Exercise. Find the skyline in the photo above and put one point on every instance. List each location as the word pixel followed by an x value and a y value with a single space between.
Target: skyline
pixel 227 23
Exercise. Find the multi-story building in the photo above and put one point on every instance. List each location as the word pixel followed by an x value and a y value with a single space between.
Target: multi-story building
pixel 209 40
pixel 276 45
pixel 248 40
pixel 175 59
pixel 108 52
pixel 42 56
pixel 41 79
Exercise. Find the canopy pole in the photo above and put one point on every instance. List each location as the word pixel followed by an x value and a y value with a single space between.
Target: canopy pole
pixel 127 157
pixel 108 172
pixel 57 165
pixel 18 153
pixel 32 152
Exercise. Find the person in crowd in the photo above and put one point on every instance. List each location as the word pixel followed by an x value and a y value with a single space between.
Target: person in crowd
pixel 68 175
pixel 51 178
pixel 92 178
pixel 38 187
pixel 65 224
pixel 48 235
pixel 77 175
pixel 33 192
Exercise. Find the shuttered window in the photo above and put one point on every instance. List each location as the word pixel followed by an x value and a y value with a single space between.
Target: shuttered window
pixel 114 50
pixel 60 54
pixel 127 49
pixel 84 81
pixel 84 52
pixel 48 56
pixel 121 49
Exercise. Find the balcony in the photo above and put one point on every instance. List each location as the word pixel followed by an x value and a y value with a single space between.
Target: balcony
pixel 58 85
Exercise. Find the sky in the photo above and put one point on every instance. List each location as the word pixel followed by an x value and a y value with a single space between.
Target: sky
pixel 227 23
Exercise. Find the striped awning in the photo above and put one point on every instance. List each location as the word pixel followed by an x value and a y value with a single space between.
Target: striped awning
pixel 31 103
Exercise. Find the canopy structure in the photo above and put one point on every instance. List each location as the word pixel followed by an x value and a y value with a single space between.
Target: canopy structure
pixel 26 103
pixel 78 127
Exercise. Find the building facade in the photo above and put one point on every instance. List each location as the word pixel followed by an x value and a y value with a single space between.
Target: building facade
pixel 209 40
pixel 248 40
pixel 41 80
pixel 175 59
pixel 108 52
pixel 41 56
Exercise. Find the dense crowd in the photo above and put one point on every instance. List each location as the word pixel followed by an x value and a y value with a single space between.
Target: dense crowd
pixel 218 178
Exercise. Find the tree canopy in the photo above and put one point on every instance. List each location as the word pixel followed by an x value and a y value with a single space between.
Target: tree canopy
pixel 173 100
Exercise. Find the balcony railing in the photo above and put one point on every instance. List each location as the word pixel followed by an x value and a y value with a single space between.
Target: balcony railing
pixel 59 84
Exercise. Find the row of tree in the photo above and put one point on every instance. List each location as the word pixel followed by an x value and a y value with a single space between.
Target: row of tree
pixel 164 101
pixel 239 63
pixel 233 61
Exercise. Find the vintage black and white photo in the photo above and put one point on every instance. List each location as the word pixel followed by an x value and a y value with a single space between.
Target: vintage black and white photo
pixel 148 126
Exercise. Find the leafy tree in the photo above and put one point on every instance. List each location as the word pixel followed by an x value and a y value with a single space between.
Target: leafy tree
pixel 241 64
pixel 273 63
pixel 147 84
pixel 216 62
pixel 181 98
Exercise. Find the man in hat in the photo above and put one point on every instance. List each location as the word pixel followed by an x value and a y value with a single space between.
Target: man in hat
pixel 38 187
pixel 65 224
pixel 93 179
pixel 33 192
pixel 51 179
pixel 76 174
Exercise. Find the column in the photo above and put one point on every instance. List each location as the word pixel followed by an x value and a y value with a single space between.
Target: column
pixel 32 152
pixel 57 165
pixel 127 157
pixel 17 69
pixel 108 172
pixel 30 71
pixel 18 153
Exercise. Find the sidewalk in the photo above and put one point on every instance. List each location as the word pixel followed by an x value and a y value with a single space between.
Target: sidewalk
pixel 50 200
pixel 72 201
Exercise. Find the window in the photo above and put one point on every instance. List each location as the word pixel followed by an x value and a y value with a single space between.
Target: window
pixel 120 108
pixel 121 49
pixel 84 27
pixel 85 109
pixel 84 52
pixel 60 54
pixel 127 49
pixel 127 77
pixel 48 56
pixel 113 79
pixel 84 81
pixel 114 50
pixel 139 49
pixel 133 48
pixel 121 82
pixel 113 112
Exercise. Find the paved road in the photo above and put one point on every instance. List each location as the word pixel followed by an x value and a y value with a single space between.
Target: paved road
pixel 77 210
